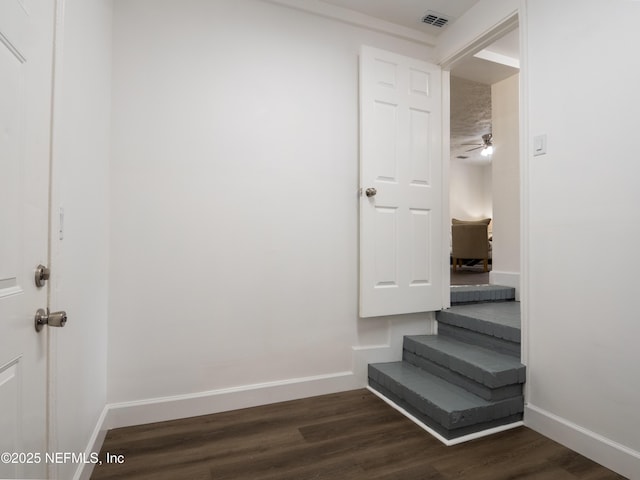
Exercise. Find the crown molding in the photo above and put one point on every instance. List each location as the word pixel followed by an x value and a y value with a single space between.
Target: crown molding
pixel 350 17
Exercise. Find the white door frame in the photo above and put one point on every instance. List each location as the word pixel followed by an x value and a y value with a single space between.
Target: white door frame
pixel 52 350
pixel 516 19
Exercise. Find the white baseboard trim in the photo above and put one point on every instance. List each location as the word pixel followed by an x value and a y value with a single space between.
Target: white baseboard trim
pixel 617 457
pixel 215 401
pixel 125 414
pixel 506 279
pixel 84 470
pixel 431 431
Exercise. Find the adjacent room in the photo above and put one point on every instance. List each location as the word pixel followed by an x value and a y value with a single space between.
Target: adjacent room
pixel 484 179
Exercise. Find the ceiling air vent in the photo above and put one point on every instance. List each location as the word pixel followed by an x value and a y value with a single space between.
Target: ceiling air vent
pixel 434 18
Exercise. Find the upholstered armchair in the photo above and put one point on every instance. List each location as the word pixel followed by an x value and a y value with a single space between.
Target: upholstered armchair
pixel 470 240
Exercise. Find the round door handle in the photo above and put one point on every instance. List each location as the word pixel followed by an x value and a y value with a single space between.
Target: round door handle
pixel 370 192
pixel 53 319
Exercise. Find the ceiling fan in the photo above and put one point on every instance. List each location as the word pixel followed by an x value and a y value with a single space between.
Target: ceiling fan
pixel 486 145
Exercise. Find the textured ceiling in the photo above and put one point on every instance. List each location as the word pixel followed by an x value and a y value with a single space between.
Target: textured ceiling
pixel 470 118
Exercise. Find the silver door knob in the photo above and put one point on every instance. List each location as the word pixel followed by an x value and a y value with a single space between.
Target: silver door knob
pixel 370 192
pixel 55 319
pixel 42 275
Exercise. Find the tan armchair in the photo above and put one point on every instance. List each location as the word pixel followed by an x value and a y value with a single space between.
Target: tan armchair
pixel 470 240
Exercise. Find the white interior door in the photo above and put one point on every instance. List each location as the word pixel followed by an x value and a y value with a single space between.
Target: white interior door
pixel 401 161
pixel 25 102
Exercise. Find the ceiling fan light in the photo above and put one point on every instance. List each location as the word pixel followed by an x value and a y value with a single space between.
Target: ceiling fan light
pixel 486 151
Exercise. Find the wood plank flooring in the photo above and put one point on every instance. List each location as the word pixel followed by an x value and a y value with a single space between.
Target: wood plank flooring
pixel 348 435
pixel 469 276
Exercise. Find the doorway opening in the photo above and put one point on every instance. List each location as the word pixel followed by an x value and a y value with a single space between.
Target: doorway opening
pixel 484 165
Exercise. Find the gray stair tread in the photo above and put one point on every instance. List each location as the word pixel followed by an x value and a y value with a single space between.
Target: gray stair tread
pixel 441 393
pixel 483 365
pixel 503 313
pixel 498 319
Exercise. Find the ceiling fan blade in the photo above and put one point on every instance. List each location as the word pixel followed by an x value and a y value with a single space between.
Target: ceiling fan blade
pixel 480 144
pixel 476 148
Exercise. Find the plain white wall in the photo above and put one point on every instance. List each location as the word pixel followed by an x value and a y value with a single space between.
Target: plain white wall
pixel 469 190
pixel 580 218
pixel 505 171
pixel 234 196
pixel 584 223
pixel 81 151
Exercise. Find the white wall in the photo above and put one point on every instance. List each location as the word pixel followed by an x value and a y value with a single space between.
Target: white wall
pixel 79 264
pixel 584 225
pixel 580 219
pixel 233 256
pixel 469 190
pixel 505 170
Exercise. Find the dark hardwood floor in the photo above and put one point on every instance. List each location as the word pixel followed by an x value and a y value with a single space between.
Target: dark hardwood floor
pixel 349 435
pixel 469 276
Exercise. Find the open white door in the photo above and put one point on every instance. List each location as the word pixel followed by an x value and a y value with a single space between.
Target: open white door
pixel 401 184
pixel 25 105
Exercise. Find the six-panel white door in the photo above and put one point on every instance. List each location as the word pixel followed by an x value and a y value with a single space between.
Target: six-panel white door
pixel 400 157
pixel 25 104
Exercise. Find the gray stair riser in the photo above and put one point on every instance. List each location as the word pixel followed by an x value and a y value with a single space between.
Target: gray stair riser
pixel 449 420
pixel 476 388
pixel 481 294
pixel 495 379
pixel 449 434
pixel 469 336
pixel 455 303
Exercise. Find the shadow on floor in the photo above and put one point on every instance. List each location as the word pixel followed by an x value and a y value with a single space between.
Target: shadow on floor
pixel 470 276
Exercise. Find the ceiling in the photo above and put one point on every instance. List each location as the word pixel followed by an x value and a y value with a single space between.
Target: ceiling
pixel 470 97
pixel 470 119
pixel 408 13
pixel 498 61
pixel 471 81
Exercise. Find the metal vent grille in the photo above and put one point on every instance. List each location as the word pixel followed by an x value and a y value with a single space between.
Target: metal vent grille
pixel 435 19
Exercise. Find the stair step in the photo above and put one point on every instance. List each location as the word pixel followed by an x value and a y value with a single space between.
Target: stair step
pixel 479 339
pixel 490 325
pixel 450 410
pixel 484 372
pixel 483 365
pixel 463 381
pixel 500 320
pixel 461 294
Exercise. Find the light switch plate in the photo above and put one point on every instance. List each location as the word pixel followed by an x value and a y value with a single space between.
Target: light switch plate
pixel 539 145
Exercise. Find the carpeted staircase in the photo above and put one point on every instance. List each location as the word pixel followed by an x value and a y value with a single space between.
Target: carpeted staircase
pixel 468 378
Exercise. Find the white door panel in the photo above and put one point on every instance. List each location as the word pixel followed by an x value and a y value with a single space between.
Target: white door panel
pixel 25 102
pixel 400 148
